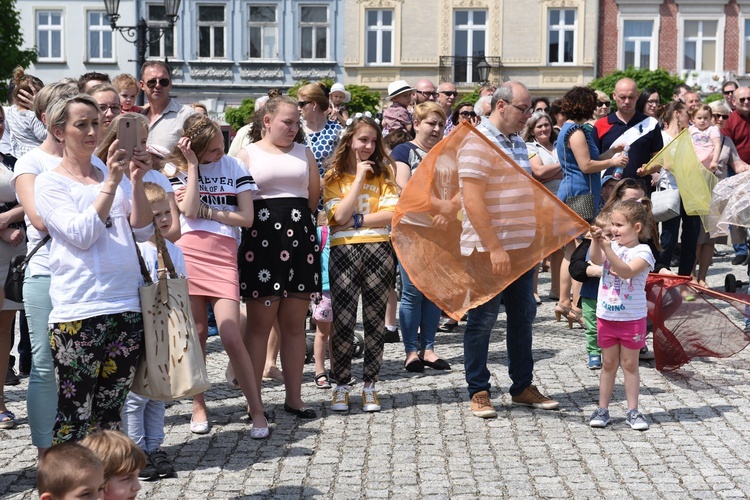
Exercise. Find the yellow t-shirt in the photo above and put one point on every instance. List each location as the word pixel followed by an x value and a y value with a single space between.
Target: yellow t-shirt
pixel 375 196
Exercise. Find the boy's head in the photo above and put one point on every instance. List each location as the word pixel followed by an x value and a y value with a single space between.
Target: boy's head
pixel 123 460
pixel 157 197
pixel 70 471
pixel 127 89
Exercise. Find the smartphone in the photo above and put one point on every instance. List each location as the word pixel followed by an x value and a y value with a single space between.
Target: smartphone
pixel 129 134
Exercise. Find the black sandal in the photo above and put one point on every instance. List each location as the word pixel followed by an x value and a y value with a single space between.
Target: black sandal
pixel 321 381
pixel 304 412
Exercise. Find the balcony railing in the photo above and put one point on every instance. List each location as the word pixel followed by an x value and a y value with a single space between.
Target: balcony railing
pixel 462 70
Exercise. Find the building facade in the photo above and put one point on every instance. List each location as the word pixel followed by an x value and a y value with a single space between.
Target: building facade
pixel 550 45
pixel 705 41
pixel 221 51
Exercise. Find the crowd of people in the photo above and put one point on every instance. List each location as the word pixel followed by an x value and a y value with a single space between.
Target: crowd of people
pixel 297 218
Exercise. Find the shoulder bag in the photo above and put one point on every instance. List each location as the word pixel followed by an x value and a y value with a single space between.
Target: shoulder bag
pixel 666 204
pixel 581 204
pixel 172 364
pixel 16 270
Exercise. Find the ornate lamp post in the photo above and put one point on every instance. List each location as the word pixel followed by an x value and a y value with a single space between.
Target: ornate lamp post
pixel 141 35
pixel 483 68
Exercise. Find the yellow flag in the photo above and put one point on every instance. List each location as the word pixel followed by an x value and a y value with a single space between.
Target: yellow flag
pixel 694 182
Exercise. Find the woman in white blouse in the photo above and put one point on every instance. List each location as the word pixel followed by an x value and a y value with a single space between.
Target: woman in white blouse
pixel 96 327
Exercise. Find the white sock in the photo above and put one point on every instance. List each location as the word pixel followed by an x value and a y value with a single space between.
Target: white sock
pixel 391 328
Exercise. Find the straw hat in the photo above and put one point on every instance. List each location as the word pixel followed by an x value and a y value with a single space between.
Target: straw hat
pixel 397 88
pixel 339 87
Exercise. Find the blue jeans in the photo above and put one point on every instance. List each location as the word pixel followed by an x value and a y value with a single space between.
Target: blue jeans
pixel 41 399
pixel 520 310
pixel 417 314
pixel 143 421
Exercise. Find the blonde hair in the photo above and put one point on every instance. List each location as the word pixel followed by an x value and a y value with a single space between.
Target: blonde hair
pixel 102 150
pixel 63 467
pixel 118 452
pixel 422 111
pixel 154 192
pixel 124 81
pixel 315 92
pixel 200 130
pixel 637 212
pixel 58 111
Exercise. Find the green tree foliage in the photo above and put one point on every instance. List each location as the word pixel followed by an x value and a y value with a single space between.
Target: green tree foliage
pixel 473 97
pixel 239 117
pixel 11 40
pixel 363 99
pixel 658 79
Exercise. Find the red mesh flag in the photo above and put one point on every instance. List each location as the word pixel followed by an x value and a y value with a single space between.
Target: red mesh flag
pixel 533 224
pixel 691 321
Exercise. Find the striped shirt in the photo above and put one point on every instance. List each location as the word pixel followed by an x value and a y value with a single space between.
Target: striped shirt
pixel 624 299
pixel 508 195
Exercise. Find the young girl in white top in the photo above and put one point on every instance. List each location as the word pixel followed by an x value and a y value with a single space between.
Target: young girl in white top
pixel 26 130
pixel 621 303
pixel 706 137
pixel 213 194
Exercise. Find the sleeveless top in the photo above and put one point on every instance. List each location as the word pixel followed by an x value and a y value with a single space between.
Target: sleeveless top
pixel 279 175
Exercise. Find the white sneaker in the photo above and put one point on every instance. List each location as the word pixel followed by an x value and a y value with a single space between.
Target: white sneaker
pixel 370 399
pixel 340 399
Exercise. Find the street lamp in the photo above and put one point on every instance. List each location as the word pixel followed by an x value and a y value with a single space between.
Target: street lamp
pixel 483 68
pixel 141 35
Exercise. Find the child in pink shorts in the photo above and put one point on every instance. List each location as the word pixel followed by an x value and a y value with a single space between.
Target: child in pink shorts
pixel 621 303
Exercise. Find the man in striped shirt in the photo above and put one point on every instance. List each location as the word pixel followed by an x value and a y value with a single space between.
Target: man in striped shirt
pixel 497 220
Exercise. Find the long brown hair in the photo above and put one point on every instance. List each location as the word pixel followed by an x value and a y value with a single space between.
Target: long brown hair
pixel 383 164
pixel 615 197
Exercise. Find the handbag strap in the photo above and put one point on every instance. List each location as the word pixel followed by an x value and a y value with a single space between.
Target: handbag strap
pixel 144 270
pixel 36 249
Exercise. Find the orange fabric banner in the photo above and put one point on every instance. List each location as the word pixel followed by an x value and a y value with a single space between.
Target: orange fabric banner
pixel 432 257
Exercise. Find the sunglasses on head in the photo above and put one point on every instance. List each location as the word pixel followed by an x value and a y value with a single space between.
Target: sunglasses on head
pixel 449 93
pixel 717 116
pixel 164 82
pixel 468 114
pixel 604 103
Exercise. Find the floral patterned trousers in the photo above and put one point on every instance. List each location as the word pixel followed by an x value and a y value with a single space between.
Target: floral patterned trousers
pixel 95 361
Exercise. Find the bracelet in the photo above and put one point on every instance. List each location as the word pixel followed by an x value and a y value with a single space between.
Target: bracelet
pixel 106 192
pixel 358 220
pixel 205 211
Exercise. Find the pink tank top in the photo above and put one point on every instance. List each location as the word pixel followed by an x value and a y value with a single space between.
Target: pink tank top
pixel 279 175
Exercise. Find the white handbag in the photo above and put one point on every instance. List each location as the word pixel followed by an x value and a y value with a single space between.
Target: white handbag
pixel 666 204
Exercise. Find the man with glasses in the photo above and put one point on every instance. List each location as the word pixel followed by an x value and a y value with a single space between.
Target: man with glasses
pixel 446 97
pixel 737 128
pixel 165 115
pixel 609 128
pixel 424 91
pixel 728 91
pixel 480 239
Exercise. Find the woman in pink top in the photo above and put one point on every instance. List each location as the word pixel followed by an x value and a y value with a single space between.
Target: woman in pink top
pixel 279 256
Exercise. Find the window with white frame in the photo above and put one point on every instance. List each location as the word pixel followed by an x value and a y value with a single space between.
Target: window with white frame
pixel 211 31
pixel 469 44
pixel 561 36
pixel 638 44
pixel 746 46
pixel 263 31
pixel 313 32
pixel 700 45
pixel 49 39
pixel 379 31
pixel 157 22
pixel 100 37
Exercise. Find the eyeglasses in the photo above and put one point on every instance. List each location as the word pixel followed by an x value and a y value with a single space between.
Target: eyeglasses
pixel 743 100
pixel 302 104
pixel 427 94
pixel 164 82
pixel 543 110
pixel 114 108
pixel 468 114
pixel 717 116
pixel 449 93
pixel 604 103
pixel 521 110
pixel 653 103
pixel 728 92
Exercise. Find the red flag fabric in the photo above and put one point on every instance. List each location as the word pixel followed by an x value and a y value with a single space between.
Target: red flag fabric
pixel 691 321
pixel 533 224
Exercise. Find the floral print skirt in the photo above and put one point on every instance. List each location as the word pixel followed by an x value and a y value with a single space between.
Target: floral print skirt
pixel 280 254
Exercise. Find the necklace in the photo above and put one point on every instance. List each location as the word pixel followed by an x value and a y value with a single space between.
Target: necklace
pixel 80 179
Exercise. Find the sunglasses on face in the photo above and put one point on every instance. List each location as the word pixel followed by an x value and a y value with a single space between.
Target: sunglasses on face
pixel 468 114
pixel 163 82
pixel 449 93
pixel 604 103
pixel 728 92
pixel 743 100
pixel 717 116
pixel 302 104
pixel 427 94
pixel 543 110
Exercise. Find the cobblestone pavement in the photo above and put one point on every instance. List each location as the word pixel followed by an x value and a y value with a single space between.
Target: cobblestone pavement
pixel 425 443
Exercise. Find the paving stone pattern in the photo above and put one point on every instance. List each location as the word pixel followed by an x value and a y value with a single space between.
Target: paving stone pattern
pixel 426 444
